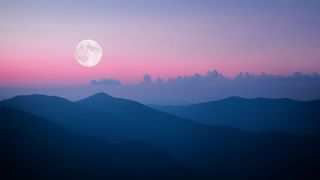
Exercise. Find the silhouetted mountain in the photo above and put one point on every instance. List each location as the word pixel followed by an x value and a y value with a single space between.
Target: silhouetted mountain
pixel 133 121
pixel 259 114
pixel 34 148
pixel 65 112
pixel 168 132
pixel 103 115
pixel 221 152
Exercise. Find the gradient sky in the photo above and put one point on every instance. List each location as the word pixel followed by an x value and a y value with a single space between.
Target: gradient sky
pixel 163 38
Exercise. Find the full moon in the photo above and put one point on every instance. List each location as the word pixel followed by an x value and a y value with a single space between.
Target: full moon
pixel 88 53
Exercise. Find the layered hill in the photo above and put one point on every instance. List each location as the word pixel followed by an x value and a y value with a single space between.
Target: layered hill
pixel 260 114
pixel 35 148
pixel 215 151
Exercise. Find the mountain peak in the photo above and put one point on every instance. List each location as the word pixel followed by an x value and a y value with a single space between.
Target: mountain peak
pixel 36 97
pixel 101 95
pixel 98 97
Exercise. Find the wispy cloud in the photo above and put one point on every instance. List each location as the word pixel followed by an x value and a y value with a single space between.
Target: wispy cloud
pixel 105 82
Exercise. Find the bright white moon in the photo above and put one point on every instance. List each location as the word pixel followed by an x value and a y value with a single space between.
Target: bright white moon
pixel 88 53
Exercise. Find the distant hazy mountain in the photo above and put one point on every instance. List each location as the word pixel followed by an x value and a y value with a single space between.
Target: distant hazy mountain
pixel 34 148
pixel 258 114
pixel 218 152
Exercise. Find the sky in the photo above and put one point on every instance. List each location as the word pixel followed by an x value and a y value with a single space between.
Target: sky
pixel 166 38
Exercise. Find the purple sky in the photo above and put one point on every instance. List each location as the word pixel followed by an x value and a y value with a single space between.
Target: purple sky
pixel 163 38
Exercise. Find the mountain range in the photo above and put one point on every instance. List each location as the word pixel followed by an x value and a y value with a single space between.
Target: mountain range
pixel 259 114
pixel 34 148
pixel 190 147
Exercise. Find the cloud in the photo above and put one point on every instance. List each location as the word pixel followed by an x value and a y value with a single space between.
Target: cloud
pixel 214 85
pixel 209 77
pixel 105 82
pixel 211 85
pixel 146 79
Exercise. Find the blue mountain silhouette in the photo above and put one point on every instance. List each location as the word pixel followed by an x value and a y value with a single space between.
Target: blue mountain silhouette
pixel 215 151
pixel 34 148
pixel 260 114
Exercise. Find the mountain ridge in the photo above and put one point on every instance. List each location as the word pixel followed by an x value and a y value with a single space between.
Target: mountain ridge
pixel 257 114
pixel 33 147
pixel 218 152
